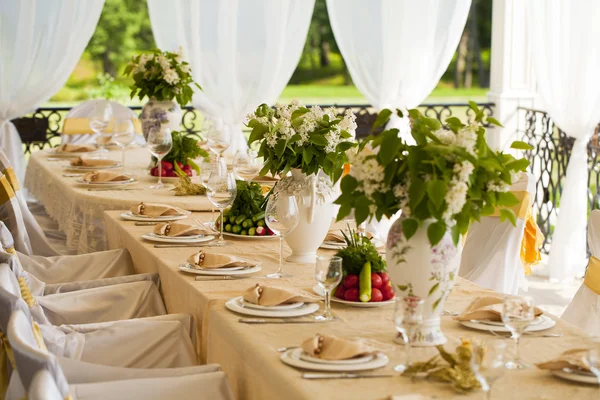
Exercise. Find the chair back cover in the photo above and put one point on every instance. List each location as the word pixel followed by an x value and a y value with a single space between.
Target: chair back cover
pixel 491 256
pixel 37 238
pixel 44 387
pixel 10 214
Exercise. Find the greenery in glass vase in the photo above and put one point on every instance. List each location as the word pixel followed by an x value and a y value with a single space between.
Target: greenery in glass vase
pixel 162 75
pixel 449 175
pixel 311 139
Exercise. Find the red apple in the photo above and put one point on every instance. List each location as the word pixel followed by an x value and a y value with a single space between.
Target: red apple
pixel 351 281
pixel 376 295
pixel 376 281
pixel 351 295
pixel 340 292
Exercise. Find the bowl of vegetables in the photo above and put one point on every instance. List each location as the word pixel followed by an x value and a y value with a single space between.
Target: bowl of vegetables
pixel 181 158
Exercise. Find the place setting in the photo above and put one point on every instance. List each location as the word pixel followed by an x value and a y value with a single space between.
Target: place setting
pixel 91 164
pixel 103 179
pixel 151 213
pixel 211 266
pixel 68 150
pixel 178 234
pixel 581 365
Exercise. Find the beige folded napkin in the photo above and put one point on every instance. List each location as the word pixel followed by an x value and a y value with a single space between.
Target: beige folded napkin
pixel 105 176
pixel 335 235
pixel 155 209
pixel 274 296
pixel 91 162
pixel 330 347
pixel 573 359
pixel 75 148
pixel 265 178
pixel 175 229
pixel 205 260
pixel 487 308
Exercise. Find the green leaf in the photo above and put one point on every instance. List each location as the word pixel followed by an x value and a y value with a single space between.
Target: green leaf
pixel 344 211
pixel 433 289
pixel 520 145
pixel 382 118
pixel 258 133
pixel 493 121
pixel 348 184
pixel 409 227
pixel 416 192
pixel 507 199
pixel 307 155
pixel 436 231
pixel 361 209
pixel 437 189
pixel 280 147
pixel 508 214
pixel 318 139
pixel 389 146
pixel 517 165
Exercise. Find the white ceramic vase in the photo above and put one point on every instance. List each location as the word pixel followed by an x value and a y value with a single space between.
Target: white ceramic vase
pixel 314 195
pixel 164 114
pixel 419 271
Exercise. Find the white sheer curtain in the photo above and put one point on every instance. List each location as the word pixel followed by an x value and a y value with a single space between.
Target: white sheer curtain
pixel 565 36
pixel 242 52
pixel 41 41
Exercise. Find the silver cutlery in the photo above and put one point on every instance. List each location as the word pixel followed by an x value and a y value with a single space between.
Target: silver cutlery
pixel 145 223
pixel 578 372
pixel 278 321
pixel 111 190
pixel 343 375
pixel 221 278
pixel 449 313
pixel 166 246
pixel 507 335
pixel 284 349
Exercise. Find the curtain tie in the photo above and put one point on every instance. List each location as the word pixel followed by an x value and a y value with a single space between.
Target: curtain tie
pixel 592 275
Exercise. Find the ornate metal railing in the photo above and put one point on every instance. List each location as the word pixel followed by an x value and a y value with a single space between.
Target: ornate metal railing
pixel 42 128
pixel 549 159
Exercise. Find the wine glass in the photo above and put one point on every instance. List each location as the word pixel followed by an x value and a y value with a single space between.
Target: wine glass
pixel 517 315
pixel 221 190
pixel 123 135
pixel 487 363
pixel 209 166
pixel 160 143
pixel 218 138
pixel 246 165
pixel 408 318
pixel 99 122
pixel 592 357
pixel 328 274
pixel 282 216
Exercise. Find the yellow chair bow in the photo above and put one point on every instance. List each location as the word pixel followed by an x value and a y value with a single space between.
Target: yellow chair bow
pixel 592 275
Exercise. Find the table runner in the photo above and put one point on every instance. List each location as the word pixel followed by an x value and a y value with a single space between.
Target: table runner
pixel 247 352
pixel 78 211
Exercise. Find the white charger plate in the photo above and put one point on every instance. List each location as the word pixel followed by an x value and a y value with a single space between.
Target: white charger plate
pixel 318 290
pixel 104 184
pixel 67 154
pixel 544 324
pixel 87 168
pixel 356 360
pixel 129 216
pixel 576 377
pixel 293 358
pixel 167 239
pixel 235 235
pixel 218 272
pixel 290 306
pixel 236 305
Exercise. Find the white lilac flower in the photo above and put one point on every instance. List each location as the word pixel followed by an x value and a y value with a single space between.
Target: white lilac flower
pixel 250 116
pixel 463 171
pixel 446 137
pixel 456 198
pixel 163 62
pixel 144 58
pixel 179 55
pixel 499 186
pixel 403 125
pixel 467 138
pixel 348 123
pixel 333 138
pixel 271 138
pixel 170 76
pixel 185 68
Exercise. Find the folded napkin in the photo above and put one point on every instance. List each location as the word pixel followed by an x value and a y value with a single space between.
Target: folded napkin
pixel 487 308
pixel 265 178
pixel 75 148
pixel 274 296
pixel 335 235
pixel 105 176
pixel 91 162
pixel 330 347
pixel 155 209
pixel 573 359
pixel 213 261
pixel 175 229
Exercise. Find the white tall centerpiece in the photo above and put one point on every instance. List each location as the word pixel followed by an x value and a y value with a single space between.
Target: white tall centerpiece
pixel 311 145
pixel 447 179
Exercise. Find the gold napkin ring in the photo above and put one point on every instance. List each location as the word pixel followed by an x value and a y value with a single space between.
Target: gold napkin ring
pixel 94 177
pixel 201 256
pixel 320 340
pixel 167 229
pixel 142 208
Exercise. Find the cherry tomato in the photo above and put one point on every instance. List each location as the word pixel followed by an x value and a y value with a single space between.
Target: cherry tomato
pixel 385 278
pixel 387 292
pixel 351 281
pixel 351 295
pixel 340 292
pixel 376 295
pixel 376 281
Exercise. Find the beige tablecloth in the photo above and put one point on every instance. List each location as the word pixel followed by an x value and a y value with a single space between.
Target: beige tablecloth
pixel 248 352
pixel 78 210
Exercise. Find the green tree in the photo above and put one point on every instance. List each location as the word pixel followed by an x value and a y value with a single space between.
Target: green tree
pixel 124 28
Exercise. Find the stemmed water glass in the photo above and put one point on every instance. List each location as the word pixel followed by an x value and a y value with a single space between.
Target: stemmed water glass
pixel 328 274
pixel 592 358
pixel 160 143
pixel 221 190
pixel 517 315
pixel 408 318
pixel 282 216
pixel 99 122
pixel 246 165
pixel 209 166
pixel 123 135
pixel 218 138
pixel 488 363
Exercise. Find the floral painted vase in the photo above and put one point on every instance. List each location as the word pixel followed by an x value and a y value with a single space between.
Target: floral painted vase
pixel 165 114
pixel 420 271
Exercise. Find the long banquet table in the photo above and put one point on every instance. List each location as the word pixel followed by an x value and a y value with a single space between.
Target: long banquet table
pixel 248 353
pixel 78 210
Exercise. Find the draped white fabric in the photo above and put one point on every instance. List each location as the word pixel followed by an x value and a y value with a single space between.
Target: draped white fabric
pixel 565 36
pixel 41 42
pixel 242 53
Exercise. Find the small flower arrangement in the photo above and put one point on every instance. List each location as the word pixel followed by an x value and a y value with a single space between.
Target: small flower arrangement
pixel 450 176
pixel 162 75
pixel 311 139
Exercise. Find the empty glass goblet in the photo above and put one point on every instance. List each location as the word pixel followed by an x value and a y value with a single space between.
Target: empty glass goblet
pixel 123 135
pixel 221 190
pixel 328 273
pixel 211 165
pixel 488 363
pixel 282 216
pixel 160 143
pixel 408 318
pixel 218 138
pixel 246 165
pixel 517 315
pixel 99 123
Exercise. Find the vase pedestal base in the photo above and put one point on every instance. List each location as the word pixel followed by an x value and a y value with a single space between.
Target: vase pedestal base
pixel 430 334
pixel 306 258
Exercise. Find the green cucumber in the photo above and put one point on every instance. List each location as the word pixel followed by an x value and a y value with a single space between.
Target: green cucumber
pixel 228 228
pixel 259 216
pixel 232 219
pixel 240 219
pixel 247 223
pixel 252 231
pixel 364 283
pixel 236 229
pixel 260 223
pixel 226 211
pixel 244 233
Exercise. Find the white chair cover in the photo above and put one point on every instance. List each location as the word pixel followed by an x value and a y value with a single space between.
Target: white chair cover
pixel 584 309
pixel 491 256
pixel 85 109
pixel 43 387
pixel 10 215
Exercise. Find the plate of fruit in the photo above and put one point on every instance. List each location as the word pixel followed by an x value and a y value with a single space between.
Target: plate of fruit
pixel 245 218
pixel 365 282
pixel 180 160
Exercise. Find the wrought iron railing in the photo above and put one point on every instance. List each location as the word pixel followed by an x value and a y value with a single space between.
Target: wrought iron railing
pixel 549 159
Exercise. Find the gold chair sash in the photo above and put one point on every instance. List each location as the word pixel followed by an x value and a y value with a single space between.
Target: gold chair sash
pixel 6 190
pixel 25 292
pixel 6 356
pixel 79 126
pixel 592 275
pixel 11 177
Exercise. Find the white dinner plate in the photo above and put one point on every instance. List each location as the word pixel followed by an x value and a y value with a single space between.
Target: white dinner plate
pixel 169 239
pixel 104 184
pixel 248 236
pixel 293 358
pixel 290 306
pixel 129 216
pixel 545 323
pixel 236 305
pixel 88 168
pixel 581 377
pixel 218 272
pixel 318 290
pixel 356 360
pixel 67 154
